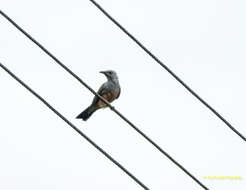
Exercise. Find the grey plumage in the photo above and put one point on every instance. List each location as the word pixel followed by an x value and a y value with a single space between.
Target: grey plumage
pixel 110 91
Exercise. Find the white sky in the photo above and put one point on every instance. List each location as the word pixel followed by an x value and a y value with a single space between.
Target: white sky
pixel 202 41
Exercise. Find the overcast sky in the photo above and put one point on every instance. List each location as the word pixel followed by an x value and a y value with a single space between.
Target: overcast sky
pixel 202 41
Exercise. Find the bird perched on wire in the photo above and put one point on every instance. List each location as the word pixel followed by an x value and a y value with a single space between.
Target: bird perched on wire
pixel 110 91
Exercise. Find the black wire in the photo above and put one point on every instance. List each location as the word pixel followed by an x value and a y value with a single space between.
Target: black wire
pixel 74 127
pixel 105 101
pixel 167 69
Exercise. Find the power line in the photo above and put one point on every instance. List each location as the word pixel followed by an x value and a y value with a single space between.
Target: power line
pixel 167 69
pixel 105 101
pixel 74 127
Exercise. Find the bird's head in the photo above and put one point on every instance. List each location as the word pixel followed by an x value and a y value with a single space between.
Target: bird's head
pixel 110 74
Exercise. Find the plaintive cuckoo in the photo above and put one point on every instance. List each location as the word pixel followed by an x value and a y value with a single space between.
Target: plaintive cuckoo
pixel 110 91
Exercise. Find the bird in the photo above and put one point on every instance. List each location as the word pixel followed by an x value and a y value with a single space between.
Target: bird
pixel 109 90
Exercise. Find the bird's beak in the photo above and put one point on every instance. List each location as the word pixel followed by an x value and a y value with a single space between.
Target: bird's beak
pixel 103 72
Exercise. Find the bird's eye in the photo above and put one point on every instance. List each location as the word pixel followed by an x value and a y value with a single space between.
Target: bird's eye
pixel 110 72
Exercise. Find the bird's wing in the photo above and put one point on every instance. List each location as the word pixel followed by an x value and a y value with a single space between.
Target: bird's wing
pixel 104 89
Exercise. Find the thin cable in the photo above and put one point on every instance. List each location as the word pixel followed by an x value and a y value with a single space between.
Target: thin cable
pixel 105 101
pixel 167 69
pixel 74 127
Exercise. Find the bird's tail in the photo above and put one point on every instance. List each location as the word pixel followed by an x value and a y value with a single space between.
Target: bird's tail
pixel 87 113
